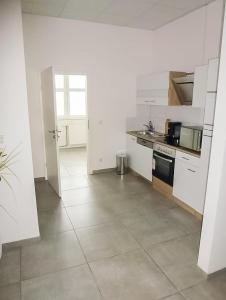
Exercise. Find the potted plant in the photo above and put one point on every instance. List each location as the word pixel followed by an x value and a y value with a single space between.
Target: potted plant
pixel 6 161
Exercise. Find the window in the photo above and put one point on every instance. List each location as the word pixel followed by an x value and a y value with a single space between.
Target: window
pixel 70 95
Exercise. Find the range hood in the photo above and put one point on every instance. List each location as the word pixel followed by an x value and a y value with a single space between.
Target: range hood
pixel 184 88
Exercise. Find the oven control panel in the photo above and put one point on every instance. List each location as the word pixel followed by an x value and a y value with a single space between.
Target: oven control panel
pixel 164 150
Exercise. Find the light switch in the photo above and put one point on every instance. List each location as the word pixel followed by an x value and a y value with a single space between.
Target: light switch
pixel 1 139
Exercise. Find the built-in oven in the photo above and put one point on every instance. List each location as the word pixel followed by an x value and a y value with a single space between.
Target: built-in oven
pixel 163 163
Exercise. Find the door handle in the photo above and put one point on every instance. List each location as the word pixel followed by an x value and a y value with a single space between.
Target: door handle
pixel 52 131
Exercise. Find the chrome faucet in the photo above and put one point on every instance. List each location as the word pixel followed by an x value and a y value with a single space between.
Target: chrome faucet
pixel 149 126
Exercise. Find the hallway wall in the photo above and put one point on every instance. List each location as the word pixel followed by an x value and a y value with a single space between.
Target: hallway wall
pixel 110 56
pixel 19 200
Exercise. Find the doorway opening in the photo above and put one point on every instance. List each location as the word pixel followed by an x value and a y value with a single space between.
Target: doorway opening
pixel 72 123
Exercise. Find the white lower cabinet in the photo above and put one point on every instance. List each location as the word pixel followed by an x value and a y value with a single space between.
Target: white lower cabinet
pixel 144 165
pixel 132 152
pixel 187 180
pixel 140 157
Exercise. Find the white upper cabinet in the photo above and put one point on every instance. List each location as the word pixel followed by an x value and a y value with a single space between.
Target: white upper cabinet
pixel 160 89
pixel 213 75
pixel 153 89
pixel 200 86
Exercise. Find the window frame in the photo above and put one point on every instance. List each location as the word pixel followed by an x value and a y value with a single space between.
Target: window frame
pixel 66 90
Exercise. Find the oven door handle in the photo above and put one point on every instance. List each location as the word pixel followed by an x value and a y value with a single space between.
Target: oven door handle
pixel 163 158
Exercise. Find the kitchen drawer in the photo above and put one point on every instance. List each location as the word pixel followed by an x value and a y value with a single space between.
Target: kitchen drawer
pixel 190 159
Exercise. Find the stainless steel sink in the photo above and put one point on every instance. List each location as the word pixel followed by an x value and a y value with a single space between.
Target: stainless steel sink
pixel 150 134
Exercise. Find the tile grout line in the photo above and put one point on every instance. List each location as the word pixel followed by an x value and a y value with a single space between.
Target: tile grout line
pixel 141 247
pixel 158 267
pixel 91 272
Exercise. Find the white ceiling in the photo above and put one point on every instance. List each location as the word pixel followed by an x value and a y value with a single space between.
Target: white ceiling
pixel 145 14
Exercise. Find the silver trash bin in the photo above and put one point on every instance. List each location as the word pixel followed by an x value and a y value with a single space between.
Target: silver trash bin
pixel 121 163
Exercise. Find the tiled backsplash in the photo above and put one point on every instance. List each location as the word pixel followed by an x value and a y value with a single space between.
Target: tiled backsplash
pixel 159 114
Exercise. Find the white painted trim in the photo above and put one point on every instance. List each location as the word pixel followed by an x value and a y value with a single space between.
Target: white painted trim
pixel 69 117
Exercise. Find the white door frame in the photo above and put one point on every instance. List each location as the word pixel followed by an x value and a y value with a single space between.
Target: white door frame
pixel 65 72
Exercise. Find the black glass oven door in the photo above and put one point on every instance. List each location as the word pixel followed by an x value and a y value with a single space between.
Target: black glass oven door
pixel 163 167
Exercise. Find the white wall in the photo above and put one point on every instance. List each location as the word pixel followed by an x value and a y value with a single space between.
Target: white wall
pixel 110 56
pixel 189 41
pixel 213 242
pixel 181 46
pixel 14 126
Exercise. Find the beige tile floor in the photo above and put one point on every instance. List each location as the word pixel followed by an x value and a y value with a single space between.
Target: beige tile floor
pixel 73 168
pixel 113 239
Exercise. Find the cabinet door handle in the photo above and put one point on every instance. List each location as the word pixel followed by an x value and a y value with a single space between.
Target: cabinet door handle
pixel 193 171
pixel 185 158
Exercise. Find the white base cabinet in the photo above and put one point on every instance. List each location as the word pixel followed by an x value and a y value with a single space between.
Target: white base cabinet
pixel 140 157
pixel 132 152
pixel 187 181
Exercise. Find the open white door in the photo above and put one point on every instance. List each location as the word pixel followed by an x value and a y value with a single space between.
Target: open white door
pixel 50 129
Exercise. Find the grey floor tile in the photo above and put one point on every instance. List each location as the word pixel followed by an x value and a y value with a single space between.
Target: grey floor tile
pixel 72 284
pixel 47 201
pixel 151 231
pixel 186 220
pixel 83 195
pixel 184 276
pixel 72 182
pixel 106 240
pixel 53 221
pixel 180 251
pixel 175 297
pixel 10 266
pixel 178 259
pixel 43 188
pixel 131 186
pixel 131 276
pixel 50 255
pixel 89 214
pixel 10 292
pixel 211 289
pixel 120 203
pixel 131 217
pixel 150 201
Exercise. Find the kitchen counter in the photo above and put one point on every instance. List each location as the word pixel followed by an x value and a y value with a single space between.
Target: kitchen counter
pixel 161 140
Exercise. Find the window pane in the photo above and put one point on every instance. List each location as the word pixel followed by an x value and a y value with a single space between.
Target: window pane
pixel 77 81
pixel 59 81
pixel 78 103
pixel 60 103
